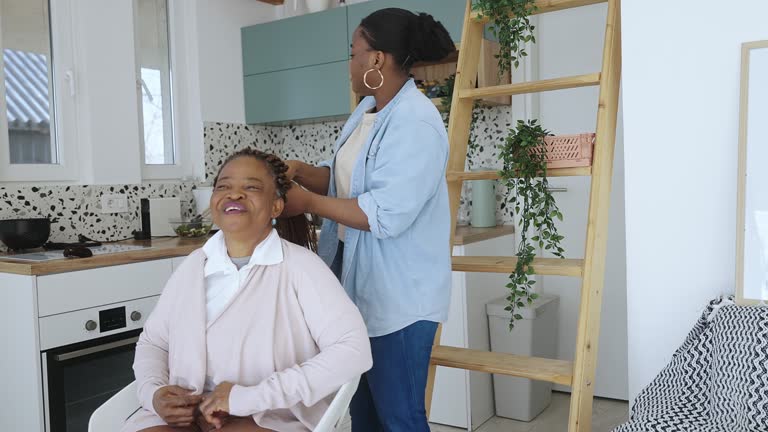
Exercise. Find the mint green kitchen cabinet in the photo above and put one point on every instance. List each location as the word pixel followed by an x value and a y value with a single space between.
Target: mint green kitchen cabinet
pixel 305 40
pixel 448 12
pixel 311 92
pixel 297 68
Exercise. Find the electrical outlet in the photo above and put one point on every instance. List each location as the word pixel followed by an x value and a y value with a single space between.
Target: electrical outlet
pixel 114 204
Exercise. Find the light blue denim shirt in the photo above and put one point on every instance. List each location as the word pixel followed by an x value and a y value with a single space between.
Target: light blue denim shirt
pixel 399 272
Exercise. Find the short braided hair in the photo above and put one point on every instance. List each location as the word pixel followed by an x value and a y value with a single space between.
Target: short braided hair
pixel 296 229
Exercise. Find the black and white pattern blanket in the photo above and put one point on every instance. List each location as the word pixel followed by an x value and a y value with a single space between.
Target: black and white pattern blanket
pixel 717 380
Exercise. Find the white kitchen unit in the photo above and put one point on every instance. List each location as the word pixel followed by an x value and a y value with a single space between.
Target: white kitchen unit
pixel 68 336
pixel 463 398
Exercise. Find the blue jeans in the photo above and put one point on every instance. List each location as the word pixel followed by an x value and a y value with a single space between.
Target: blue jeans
pixel 390 397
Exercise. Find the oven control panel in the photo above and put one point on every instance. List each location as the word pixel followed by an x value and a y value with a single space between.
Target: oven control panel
pixel 112 319
pixel 82 325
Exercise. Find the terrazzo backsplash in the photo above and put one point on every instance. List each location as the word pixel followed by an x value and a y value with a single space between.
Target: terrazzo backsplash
pixel 310 143
pixel 314 142
pixel 77 209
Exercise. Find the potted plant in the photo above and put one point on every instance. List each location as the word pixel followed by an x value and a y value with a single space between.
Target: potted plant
pixel 510 24
pixel 524 173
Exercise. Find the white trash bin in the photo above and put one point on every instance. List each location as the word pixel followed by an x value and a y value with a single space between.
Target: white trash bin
pixel 535 335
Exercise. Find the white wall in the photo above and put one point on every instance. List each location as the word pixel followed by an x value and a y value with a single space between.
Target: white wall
pixel 220 54
pixel 681 111
pixel 571 43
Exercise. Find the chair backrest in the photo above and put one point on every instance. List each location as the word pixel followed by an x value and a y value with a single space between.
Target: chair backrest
pixel 111 415
pixel 335 413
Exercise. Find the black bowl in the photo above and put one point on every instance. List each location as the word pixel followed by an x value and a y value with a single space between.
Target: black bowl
pixel 25 233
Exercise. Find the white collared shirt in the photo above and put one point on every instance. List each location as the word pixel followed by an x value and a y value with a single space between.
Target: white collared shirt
pixel 223 279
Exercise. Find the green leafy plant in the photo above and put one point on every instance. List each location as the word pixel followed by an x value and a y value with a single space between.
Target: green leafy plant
pixel 510 24
pixel 524 173
pixel 446 89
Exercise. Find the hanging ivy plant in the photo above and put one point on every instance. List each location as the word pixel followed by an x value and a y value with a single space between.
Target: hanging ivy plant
pixel 524 173
pixel 510 24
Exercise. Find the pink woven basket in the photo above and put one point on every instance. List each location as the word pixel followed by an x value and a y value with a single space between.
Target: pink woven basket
pixel 568 151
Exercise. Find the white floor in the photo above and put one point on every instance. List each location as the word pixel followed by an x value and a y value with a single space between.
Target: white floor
pixel 607 414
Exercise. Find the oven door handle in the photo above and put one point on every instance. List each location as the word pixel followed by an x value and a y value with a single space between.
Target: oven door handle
pixel 96 349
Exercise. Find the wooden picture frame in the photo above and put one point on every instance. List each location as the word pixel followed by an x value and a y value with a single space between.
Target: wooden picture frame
pixel 752 199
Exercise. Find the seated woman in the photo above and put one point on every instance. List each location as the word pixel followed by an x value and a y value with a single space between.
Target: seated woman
pixel 252 332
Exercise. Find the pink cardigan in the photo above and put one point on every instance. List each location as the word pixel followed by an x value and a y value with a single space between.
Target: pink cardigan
pixel 289 339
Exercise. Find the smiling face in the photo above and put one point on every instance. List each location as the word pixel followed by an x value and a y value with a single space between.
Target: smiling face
pixel 244 198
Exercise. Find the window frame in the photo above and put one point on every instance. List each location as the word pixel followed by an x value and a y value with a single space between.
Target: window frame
pixel 63 84
pixel 185 100
pixel 73 110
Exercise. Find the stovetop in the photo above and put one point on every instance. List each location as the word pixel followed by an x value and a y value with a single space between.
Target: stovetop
pixel 50 255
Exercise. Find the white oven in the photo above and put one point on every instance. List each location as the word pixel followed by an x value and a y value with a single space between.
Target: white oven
pixel 88 323
pixel 86 357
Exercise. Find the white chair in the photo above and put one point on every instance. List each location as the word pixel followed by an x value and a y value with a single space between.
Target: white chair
pixel 111 415
pixel 333 417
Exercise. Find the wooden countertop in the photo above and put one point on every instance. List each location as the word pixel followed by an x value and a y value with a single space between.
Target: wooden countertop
pixel 161 248
pixel 467 234
pixel 176 247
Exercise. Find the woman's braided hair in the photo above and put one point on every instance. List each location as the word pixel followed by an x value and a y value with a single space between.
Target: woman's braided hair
pixel 295 229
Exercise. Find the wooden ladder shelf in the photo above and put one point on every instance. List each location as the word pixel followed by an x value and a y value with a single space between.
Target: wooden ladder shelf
pixel 580 373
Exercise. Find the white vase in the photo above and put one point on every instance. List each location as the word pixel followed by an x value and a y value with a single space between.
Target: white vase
pixel 318 5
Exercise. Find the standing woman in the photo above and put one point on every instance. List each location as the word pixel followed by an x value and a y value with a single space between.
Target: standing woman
pixel 387 220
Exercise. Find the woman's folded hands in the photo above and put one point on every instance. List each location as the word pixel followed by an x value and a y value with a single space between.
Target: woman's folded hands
pixel 178 407
pixel 215 405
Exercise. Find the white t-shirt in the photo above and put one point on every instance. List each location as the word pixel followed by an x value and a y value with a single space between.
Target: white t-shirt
pixel 346 157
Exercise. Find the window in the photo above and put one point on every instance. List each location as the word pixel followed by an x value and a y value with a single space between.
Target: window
pixel 154 82
pixel 27 70
pixel 35 74
pixel 56 118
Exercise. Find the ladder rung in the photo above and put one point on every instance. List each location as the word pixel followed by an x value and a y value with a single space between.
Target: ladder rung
pixel 494 175
pixel 544 6
pixel 499 264
pixel 532 86
pixel 536 368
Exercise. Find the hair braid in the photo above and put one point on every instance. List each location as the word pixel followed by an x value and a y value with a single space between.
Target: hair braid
pixel 295 229
pixel 279 168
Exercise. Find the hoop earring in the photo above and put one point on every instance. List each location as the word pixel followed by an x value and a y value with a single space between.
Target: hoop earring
pixel 365 79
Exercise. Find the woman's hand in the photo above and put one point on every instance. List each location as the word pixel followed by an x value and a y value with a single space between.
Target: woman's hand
pixel 297 201
pixel 176 405
pixel 215 406
pixel 309 176
pixel 293 169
